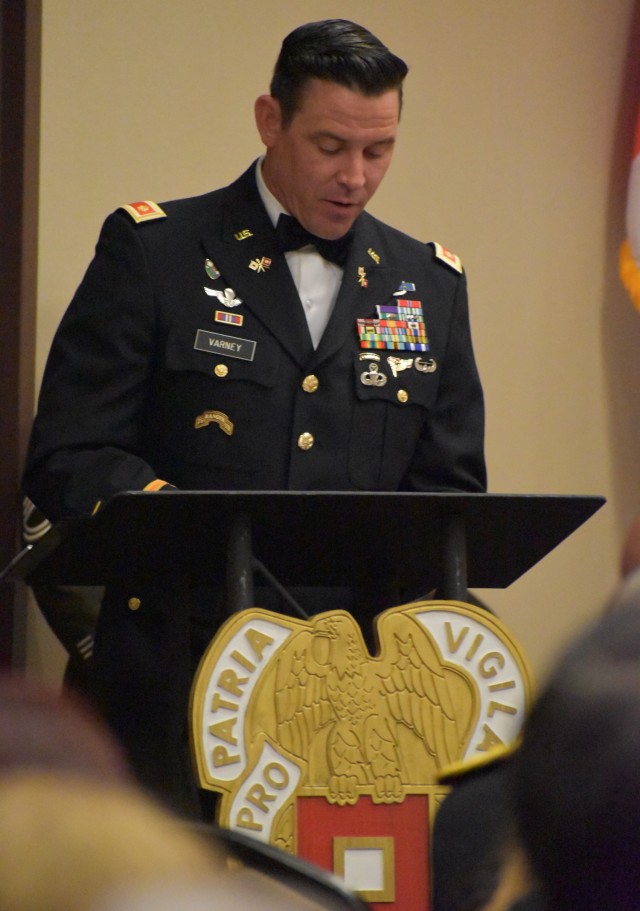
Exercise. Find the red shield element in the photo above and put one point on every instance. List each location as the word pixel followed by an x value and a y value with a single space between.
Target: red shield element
pixel 381 849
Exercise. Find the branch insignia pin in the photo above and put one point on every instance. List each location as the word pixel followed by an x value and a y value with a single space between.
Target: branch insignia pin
pixel 260 265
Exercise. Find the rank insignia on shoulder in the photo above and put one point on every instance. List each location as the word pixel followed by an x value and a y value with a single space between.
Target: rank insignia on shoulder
pixel 447 257
pixel 144 210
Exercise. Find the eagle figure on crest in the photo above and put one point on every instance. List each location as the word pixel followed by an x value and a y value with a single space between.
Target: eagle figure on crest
pixel 370 724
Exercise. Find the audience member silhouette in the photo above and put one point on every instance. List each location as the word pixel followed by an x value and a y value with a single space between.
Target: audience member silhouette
pixel 577 774
pixel 41 729
pixel 67 839
pixel 478 862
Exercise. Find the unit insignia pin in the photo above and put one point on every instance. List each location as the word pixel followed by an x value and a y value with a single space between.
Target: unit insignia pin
pixel 260 265
pixel 373 377
pixel 374 256
pixel 242 235
pixel 211 270
pixel 226 297
pixel 362 277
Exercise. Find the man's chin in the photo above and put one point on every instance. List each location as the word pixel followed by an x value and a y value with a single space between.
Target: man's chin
pixel 333 220
pixel 334 229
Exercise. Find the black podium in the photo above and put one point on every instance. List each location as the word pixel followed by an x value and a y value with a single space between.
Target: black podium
pixel 446 540
pixel 161 556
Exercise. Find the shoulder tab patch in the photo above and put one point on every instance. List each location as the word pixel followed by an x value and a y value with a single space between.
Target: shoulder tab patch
pixel 145 210
pixel 447 257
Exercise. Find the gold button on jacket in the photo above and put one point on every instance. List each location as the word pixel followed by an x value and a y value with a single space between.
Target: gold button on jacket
pixel 305 440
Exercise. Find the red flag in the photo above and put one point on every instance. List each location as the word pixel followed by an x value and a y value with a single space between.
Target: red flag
pixel 630 250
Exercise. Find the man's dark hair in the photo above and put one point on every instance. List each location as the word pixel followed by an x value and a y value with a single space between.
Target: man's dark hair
pixel 335 50
pixel 470 837
pixel 577 775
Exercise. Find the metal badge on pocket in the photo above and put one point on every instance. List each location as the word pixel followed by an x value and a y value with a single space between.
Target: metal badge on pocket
pixel 372 376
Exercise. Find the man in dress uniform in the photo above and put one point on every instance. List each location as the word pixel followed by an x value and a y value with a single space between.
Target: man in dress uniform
pixel 269 335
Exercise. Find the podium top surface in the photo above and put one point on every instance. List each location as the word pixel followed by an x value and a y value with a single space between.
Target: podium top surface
pixel 306 538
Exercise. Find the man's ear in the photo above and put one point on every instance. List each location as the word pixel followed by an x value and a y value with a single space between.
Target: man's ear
pixel 268 119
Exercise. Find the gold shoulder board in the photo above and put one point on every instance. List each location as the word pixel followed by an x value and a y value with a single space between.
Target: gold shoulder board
pixel 456 771
pixel 145 210
pixel 447 257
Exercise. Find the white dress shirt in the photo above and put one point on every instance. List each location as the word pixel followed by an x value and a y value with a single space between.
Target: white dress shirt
pixel 317 280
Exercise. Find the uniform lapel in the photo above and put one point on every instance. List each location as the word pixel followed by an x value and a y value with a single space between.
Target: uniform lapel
pixel 245 253
pixel 368 280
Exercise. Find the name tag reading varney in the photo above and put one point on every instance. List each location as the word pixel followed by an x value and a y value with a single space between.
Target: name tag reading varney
pixel 230 345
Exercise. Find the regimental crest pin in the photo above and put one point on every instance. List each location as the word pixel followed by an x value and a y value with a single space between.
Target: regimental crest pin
pixel 302 731
pixel 211 269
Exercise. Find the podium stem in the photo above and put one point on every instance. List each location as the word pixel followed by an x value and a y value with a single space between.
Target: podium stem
pixel 454 583
pixel 239 580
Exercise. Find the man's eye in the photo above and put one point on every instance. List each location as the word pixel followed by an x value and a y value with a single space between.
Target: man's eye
pixel 376 153
pixel 329 150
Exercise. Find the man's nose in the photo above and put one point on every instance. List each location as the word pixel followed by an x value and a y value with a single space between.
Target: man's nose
pixel 352 174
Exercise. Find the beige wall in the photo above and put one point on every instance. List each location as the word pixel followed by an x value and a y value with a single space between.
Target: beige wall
pixel 513 152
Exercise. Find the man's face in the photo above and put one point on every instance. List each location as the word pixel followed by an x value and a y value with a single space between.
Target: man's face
pixel 327 163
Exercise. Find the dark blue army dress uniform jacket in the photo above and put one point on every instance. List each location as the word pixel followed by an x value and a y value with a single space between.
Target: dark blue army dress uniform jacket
pixel 185 356
pixel 130 381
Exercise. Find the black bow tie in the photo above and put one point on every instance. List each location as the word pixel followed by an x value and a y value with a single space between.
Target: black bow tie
pixel 290 235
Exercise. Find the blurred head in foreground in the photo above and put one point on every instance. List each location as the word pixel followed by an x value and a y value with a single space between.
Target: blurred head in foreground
pixel 65 841
pixel 577 776
pixel 40 729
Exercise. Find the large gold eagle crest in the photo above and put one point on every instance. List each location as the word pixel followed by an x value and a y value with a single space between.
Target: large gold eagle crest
pixel 283 708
